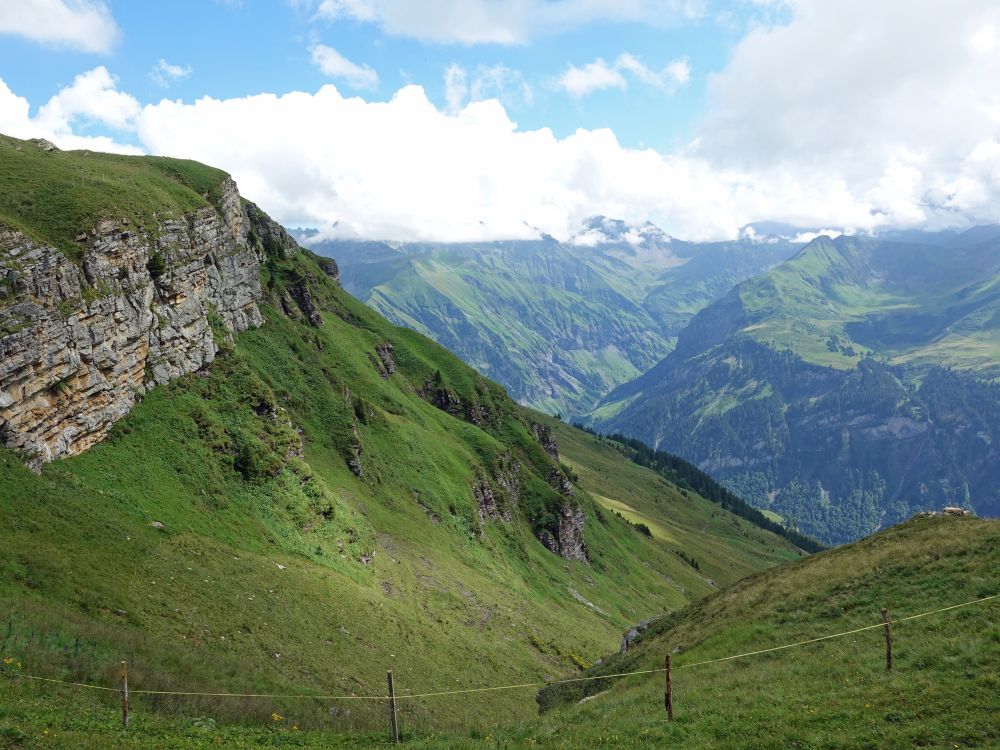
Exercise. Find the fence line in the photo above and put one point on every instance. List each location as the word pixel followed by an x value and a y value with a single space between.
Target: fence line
pixel 518 686
pixel 63 682
pixel 838 635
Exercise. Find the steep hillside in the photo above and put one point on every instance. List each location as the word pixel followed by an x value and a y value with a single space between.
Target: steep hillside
pixel 942 692
pixel 677 515
pixel 839 300
pixel 305 497
pixel 558 324
pixel 843 390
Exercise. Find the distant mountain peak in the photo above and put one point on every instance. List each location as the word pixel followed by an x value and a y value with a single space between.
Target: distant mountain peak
pixel 603 230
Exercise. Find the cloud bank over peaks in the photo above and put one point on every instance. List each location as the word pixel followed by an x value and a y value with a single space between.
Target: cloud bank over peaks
pixel 404 169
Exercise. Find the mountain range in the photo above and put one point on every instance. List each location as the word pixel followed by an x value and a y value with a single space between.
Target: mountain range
pixel 559 324
pixel 840 384
pixel 845 389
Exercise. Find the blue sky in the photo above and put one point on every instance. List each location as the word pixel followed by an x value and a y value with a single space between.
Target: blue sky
pixel 486 119
pixel 237 49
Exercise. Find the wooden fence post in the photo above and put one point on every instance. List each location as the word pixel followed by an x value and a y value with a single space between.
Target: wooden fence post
pixel 124 695
pixel 888 640
pixel 392 710
pixel 668 698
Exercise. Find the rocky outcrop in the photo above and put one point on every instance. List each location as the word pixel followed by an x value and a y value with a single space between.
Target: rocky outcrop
pixel 44 144
pixel 300 293
pixel 544 436
pixel 267 235
pixel 561 483
pixel 567 539
pixel 354 462
pixel 330 268
pixel 435 391
pixel 497 496
pixel 386 359
pixel 633 633
pixel 477 414
pixel 81 341
pixel 487 507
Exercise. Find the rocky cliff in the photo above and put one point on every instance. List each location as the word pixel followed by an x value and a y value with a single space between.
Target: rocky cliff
pixel 81 341
pixel 143 274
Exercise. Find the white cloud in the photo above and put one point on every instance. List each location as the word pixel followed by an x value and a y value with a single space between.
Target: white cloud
pixel 91 98
pixel 499 82
pixel 85 25
pixel 403 169
pixel 163 73
pixel 14 113
pixel 599 75
pixel 335 65
pixel 594 76
pixel 496 22
pixel 847 91
pixel 456 87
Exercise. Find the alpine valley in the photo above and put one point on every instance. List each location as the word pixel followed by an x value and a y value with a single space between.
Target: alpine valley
pixel 839 385
pixel 559 324
pixel 220 466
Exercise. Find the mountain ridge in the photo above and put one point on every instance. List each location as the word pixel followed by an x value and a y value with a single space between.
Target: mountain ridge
pixel 784 390
pixel 558 324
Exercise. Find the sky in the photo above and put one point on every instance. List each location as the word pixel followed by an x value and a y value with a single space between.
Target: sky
pixel 461 120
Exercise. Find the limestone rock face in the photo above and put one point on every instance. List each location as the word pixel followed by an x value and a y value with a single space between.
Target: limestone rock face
pixel 330 268
pixel 544 436
pixel 498 496
pixel 80 342
pixel 387 360
pixel 568 538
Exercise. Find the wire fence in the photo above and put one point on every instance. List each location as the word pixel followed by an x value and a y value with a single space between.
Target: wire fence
pixel 521 685
pixel 513 686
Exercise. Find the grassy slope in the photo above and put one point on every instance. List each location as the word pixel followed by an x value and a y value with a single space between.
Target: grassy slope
pixel 944 691
pixel 908 303
pixel 78 547
pixel 205 603
pixel 722 544
pixel 276 573
pixel 54 196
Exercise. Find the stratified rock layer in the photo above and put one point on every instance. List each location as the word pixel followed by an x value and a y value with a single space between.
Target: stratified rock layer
pixel 80 342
